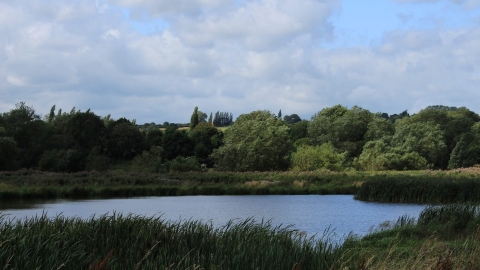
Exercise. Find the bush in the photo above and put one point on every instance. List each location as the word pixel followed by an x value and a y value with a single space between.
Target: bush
pixel 149 161
pixel 309 158
pixel 181 164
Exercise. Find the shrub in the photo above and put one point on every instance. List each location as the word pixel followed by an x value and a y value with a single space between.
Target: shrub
pixel 181 164
pixel 309 158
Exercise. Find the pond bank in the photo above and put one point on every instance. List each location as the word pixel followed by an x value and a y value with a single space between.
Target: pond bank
pixel 388 186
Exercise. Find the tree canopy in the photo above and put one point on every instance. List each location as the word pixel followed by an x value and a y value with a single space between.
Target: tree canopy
pixel 257 141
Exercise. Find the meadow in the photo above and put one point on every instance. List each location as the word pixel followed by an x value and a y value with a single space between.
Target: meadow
pixel 443 237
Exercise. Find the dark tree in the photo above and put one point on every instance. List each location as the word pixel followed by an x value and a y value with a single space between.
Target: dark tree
pixel 176 143
pixel 194 119
pixel 210 118
pixel 292 119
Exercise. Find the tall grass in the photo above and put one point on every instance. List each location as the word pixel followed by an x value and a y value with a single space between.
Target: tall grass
pixel 443 238
pixel 420 190
pixel 135 242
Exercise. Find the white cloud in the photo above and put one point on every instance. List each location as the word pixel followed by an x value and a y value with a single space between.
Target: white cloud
pixel 221 56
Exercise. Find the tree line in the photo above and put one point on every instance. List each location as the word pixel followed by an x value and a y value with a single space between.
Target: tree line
pixel 335 138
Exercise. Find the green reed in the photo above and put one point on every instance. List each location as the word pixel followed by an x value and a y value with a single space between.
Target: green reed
pixel 137 242
pixel 420 190
pixel 443 237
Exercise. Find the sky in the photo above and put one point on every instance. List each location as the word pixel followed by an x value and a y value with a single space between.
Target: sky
pixel 156 60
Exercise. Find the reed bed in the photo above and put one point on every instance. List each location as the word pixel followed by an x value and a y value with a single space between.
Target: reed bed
pixel 137 242
pixel 27 184
pixel 461 185
pixel 420 190
pixel 443 238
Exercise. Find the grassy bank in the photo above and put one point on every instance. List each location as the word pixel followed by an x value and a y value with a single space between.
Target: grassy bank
pixel 391 186
pixel 34 184
pixel 444 237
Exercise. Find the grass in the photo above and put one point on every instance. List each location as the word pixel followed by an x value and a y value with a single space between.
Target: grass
pixel 444 237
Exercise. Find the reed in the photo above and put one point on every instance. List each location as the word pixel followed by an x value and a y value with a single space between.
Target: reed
pixel 135 242
pixel 444 237
pixel 420 190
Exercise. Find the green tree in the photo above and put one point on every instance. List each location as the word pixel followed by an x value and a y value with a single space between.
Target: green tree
pixel 210 118
pixel 8 152
pixel 257 141
pixel 202 117
pixel 31 135
pixel 292 119
pixel 310 158
pixel 344 128
pixel 183 164
pixel 149 161
pixel 466 153
pixel 427 139
pixel 51 115
pixel 298 130
pixel 125 140
pixel 206 138
pixel 378 128
pixel 176 143
pixel 194 119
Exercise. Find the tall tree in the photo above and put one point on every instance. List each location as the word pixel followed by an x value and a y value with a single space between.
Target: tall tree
pixel 210 118
pixel 51 115
pixel 194 119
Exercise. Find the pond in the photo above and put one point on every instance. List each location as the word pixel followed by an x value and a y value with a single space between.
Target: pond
pixel 314 214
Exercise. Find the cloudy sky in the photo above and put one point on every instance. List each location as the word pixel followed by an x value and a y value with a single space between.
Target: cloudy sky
pixel 155 60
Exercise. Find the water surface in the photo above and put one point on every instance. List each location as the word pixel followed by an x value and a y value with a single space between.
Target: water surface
pixel 314 214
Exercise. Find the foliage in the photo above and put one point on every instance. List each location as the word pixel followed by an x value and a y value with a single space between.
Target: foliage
pixel 182 164
pixel 222 119
pixel 466 152
pixel 176 143
pixel 427 139
pixel 310 158
pixel 194 120
pixel 206 138
pixel 298 130
pixel 378 128
pixel 344 128
pixel 257 141
pixel 125 140
pixel 8 154
pixel 292 119
pixel 149 161
pixel 378 155
pixel 61 160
